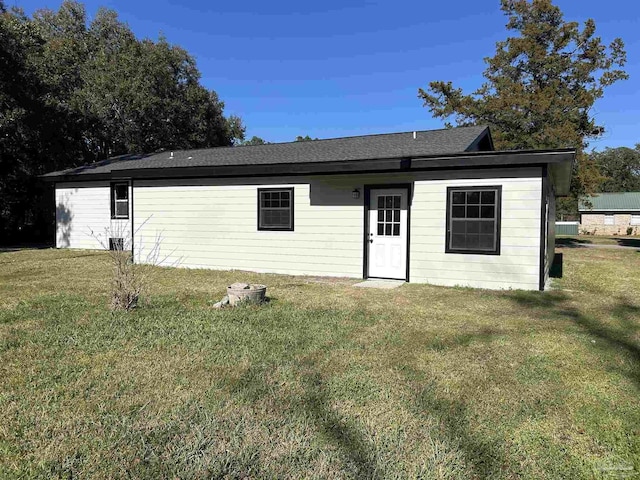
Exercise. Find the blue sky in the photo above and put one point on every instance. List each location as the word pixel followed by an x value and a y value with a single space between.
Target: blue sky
pixel 336 68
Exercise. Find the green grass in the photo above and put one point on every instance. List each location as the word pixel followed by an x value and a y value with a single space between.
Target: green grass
pixel 623 240
pixel 325 381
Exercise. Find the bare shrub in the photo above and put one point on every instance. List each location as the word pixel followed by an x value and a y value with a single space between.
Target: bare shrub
pixel 130 278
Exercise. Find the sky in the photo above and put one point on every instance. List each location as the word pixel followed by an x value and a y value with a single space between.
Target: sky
pixel 336 68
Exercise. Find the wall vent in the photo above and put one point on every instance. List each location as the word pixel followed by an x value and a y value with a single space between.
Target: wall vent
pixel 116 244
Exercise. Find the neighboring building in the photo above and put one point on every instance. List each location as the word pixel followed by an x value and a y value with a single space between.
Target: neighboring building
pixel 436 207
pixel 611 214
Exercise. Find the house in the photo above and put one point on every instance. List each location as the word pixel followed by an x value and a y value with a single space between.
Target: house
pixel 439 207
pixel 610 214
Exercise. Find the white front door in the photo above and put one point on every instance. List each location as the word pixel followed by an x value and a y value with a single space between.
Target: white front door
pixel 387 236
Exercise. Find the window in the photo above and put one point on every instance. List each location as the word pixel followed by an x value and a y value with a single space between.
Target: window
pixel 609 220
pixel 389 215
pixel 119 200
pixel 635 219
pixel 275 209
pixel 473 220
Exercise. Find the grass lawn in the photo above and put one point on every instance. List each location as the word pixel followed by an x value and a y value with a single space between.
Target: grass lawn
pixel 326 381
pixel 577 240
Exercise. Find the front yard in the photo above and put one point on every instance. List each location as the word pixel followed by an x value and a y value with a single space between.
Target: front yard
pixel 325 381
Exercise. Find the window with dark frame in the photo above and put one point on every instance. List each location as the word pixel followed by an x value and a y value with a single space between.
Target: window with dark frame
pixel 473 220
pixel 120 200
pixel 275 209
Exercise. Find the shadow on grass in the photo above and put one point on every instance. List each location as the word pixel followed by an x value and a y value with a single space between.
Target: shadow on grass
pixel 628 242
pixel 356 451
pixel 486 334
pixel 357 454
pixel 17 248
pixel 611 339
pixel 571 242
pixel 484 457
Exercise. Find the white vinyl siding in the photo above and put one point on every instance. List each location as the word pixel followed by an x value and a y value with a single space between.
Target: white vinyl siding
pixel 517 266
pixel 82 208
pixel 212 223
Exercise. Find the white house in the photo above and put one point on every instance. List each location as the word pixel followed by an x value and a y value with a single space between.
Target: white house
pixel 439 207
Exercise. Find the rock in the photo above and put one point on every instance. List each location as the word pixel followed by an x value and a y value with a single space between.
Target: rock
pixel 239 286
pixel 222 303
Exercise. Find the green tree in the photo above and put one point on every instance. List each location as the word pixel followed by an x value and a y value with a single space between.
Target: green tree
pixel 306 138
pixel 37 134
pixel 73 92
pixel 255 141
pixel 540 87
pixel 620 168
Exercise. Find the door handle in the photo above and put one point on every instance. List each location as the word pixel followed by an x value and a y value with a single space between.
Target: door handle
pixel 371 240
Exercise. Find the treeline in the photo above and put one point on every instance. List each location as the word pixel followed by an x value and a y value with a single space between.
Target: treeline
pixel 619 169
pixel 73 92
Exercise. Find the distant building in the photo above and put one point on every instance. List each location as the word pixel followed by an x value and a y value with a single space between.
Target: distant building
pixel 611 214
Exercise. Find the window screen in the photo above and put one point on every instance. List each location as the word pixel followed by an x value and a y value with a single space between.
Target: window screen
pixel 120 200
pixel 473 220
pixel 609 220
pixel 275 209
pixel 635 219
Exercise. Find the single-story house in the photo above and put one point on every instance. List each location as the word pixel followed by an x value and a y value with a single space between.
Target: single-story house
pixel 440 207
pixel 610 214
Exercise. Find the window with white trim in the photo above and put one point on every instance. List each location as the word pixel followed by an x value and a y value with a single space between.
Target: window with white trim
pixel 609 220
pixel 473 220
pixel 120 200
pixel 275 209
pixel 635 219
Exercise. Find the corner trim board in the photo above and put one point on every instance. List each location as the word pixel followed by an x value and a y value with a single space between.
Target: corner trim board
pixel 543 224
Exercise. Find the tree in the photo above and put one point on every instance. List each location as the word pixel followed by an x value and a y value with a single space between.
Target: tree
pixel 306 138
pixel 37 134
pixel 255 141
pixel 73 92
pixel 620 168
pixel 540 88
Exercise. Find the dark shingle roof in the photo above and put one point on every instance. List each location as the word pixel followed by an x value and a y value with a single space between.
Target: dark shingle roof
pixel 620 201
pixel 367 147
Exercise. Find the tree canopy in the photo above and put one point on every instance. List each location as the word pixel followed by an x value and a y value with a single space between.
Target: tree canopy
pixel 620 169
pixel 540 86
pixel 255 141
pixel 74 91
pixel 306 138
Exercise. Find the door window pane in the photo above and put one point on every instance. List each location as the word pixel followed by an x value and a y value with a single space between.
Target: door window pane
pixel 389 207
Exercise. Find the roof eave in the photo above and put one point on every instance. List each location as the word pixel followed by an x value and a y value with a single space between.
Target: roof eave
pixel 562 158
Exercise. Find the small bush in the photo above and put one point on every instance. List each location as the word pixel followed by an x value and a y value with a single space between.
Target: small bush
pixel 127 281
pixel 629 230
